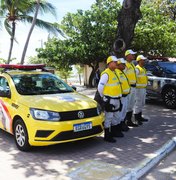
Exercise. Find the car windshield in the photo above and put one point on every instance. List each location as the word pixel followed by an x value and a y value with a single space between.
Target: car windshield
pixel 167 67
pixel 36 84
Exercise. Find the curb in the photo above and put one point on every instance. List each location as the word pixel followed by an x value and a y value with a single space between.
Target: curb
pixel 148 163
pixel 92 169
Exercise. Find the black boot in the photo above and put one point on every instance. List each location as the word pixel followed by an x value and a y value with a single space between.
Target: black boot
pixel 124 127
pixel 142 119
pixel 138 119
pixel 108 136
pixel 128 119
pixel 116 131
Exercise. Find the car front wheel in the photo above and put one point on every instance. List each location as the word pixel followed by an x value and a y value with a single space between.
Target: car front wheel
pixel 169 97
pixel 21 135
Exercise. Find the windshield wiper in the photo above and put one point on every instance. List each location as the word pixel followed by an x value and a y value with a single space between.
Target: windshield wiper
pixel 66 91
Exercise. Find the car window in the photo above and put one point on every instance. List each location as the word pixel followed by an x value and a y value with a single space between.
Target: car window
pixel 36 84
pixel 167 67
pixel 4 86
pixel 150 67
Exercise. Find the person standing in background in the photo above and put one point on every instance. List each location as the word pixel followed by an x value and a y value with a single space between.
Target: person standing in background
pixel 110 90
pixel 97 77
pixel 130 72
pixel 121 64
pixel 141 85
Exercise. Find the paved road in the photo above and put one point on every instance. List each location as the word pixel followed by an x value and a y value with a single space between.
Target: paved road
pixel 54 162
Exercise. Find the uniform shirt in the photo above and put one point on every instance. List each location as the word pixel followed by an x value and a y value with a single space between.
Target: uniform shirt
pixel 124 81
pixel 109 84
pixel 130 72
pixel 142 78
pixel 102 82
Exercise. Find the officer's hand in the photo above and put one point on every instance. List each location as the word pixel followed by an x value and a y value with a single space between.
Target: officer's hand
pixel 109 107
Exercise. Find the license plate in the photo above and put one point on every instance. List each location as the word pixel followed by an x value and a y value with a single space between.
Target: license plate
pixel 82 126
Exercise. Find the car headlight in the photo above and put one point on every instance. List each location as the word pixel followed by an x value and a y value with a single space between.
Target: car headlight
pixel 99 109
pixel 44 115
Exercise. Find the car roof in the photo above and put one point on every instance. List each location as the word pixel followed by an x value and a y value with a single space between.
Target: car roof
pixel 17 72
pixel 160 61
pixel 13 69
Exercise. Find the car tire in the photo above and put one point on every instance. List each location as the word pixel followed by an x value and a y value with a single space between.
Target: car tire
pixel 21 135
pixel 169 97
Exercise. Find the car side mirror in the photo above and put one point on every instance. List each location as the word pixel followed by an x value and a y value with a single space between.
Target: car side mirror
pixel 5 94
pixel 74 87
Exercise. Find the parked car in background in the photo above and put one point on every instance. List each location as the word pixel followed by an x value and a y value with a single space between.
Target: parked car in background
pixel 40 109
pixel 162 81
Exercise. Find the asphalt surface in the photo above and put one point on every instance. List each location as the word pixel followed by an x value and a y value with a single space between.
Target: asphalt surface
pixel 94 158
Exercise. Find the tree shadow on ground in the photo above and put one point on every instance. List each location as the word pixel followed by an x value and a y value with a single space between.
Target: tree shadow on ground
pixel 138 143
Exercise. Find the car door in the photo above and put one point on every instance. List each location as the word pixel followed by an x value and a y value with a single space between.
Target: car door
pixel 154 79
pixel 5 104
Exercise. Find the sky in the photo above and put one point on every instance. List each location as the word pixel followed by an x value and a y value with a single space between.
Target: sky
pixel 39 36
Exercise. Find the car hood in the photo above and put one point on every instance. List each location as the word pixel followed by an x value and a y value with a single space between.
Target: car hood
pixel 58 102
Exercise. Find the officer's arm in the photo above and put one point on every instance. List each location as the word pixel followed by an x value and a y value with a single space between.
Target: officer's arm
pixel 137 71
pixel 102 83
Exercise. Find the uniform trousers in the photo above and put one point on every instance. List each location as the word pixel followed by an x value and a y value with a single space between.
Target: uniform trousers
pixel 131 99
pixel 123 112
pixel 140 100
pixel 113 118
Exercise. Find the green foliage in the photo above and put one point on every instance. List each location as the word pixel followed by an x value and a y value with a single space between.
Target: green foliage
pixel 79 69
pixel 36 60
pixel 90 35
pixel 2 61
pixel 57 53
pixel 64 73
pixel 164 7
pixel 155 33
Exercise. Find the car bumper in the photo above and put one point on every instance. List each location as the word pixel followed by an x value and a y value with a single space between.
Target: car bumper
pixel 43 133
pixel 152 94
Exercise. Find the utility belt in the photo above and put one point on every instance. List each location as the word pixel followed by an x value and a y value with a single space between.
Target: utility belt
pixel 124 95
pixel 110 107
pixel 133 85
pixel 108 97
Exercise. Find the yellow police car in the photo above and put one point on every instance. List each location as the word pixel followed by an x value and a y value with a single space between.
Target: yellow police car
pixel 40 109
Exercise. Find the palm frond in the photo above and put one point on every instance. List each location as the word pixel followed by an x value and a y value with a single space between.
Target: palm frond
pixel 8 27
pixel 45 7
pixel 48 8
pixel 50 27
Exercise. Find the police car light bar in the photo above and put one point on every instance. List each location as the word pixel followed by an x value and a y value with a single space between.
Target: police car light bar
pixel 22 67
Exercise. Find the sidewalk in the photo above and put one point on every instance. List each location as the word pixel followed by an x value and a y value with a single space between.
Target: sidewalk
pixel 129 158
pixel 135 154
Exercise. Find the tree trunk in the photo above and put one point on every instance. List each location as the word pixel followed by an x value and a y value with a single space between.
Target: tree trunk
pixel 11 42
pixel 30 32
pixel 127 20
pixel 80 79
pixel 92 74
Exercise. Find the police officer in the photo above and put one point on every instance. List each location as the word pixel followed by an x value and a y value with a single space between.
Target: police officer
pixel 131 75
pixel 141 85
pixel 110 90
pixel 125 91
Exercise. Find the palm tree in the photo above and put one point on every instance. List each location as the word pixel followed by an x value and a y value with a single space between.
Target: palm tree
pixel 20 11
pixel 30 32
